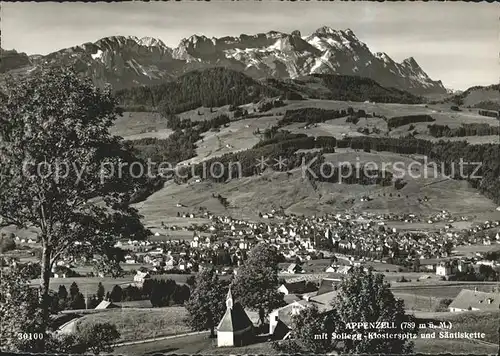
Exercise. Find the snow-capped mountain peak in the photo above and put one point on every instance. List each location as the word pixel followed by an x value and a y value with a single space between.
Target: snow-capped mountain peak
pixel 325 30
pixel 411 62
pixel 151 42
pixel 125 61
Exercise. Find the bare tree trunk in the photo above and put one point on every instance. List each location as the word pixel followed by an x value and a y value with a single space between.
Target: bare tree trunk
pixel 212 332
pixel 46 271
pixel 44 285
pixel 262 316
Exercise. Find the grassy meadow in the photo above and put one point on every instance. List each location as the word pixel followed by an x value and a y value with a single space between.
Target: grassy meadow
pixel 144 323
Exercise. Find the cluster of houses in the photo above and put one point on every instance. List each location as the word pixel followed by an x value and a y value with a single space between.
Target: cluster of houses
pixel 301 236
pixel 224 241
pixel 236 327
pixel 463 265
pixel 442 216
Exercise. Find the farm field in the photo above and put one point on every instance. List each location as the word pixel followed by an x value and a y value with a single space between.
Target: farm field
pixel 203 113
pixel 87 285
pixel 137 125
pixel 414 302
pixel 440 291
pixel 193 344
pixel 442 111
pixel 161 205
pixel 29 233
pixel 250 195
pixel 457 225
pixel 387 110
pixel 166 235
pixel 137 324
pixel 472 249
pixel 125 266
pixel 335 128
pixel 237 137
pixel 478 95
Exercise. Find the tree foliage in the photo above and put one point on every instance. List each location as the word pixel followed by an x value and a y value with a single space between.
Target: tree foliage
pixel 20 313
pixel 311 115
pixel 366 297
pixel 100 291
pixel 116 294
pixel 472 129
pixel 96 338
pixel 256 284
pixel 7 243
pixel 206 305
pixel 355 88
pixel 62 292
pixel 309 324
pixel 59 168
pixel 397 121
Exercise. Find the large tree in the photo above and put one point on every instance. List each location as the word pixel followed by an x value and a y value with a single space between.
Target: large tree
pixel 96 338
pixel 366 297
pixel 312 330
pixel 206 304
pixel 116 294
pixel 61 171
pixel 73 290
pixel 62 293
pixel 100 292
pixel 21 324
pixel 256 284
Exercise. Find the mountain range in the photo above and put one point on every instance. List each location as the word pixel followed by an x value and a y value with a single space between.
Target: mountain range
pixel 125 62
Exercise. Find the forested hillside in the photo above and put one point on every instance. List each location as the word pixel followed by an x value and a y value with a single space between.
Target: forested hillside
pixel 285 146
pixel 220 86
pixel 344 88
pixel 473 129
pixel 353 88
pixel 209 88
pixel 481 97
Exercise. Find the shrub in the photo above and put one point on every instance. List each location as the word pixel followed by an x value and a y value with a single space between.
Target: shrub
pixel 7 243
pixel 443 305
pixel 97 337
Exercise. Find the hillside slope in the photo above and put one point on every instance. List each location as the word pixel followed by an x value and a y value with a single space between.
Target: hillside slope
pixel 480 97
pixel 219 86
pixel 208 87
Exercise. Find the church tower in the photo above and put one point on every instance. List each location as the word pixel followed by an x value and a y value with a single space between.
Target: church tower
pixel 229 299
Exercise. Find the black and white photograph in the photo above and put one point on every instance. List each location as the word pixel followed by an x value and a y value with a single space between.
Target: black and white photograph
pixel 250 177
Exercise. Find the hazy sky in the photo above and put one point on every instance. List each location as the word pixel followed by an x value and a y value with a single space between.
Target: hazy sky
pixel 456 42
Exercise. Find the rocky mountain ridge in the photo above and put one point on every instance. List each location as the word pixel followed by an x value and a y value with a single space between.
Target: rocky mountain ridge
pixel 130 61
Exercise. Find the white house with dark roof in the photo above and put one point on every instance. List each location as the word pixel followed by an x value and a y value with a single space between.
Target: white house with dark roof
pixel 280 320
pixel 140 277
pixel 473 300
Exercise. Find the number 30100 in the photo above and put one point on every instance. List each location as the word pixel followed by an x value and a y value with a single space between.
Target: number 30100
pixel 30 336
